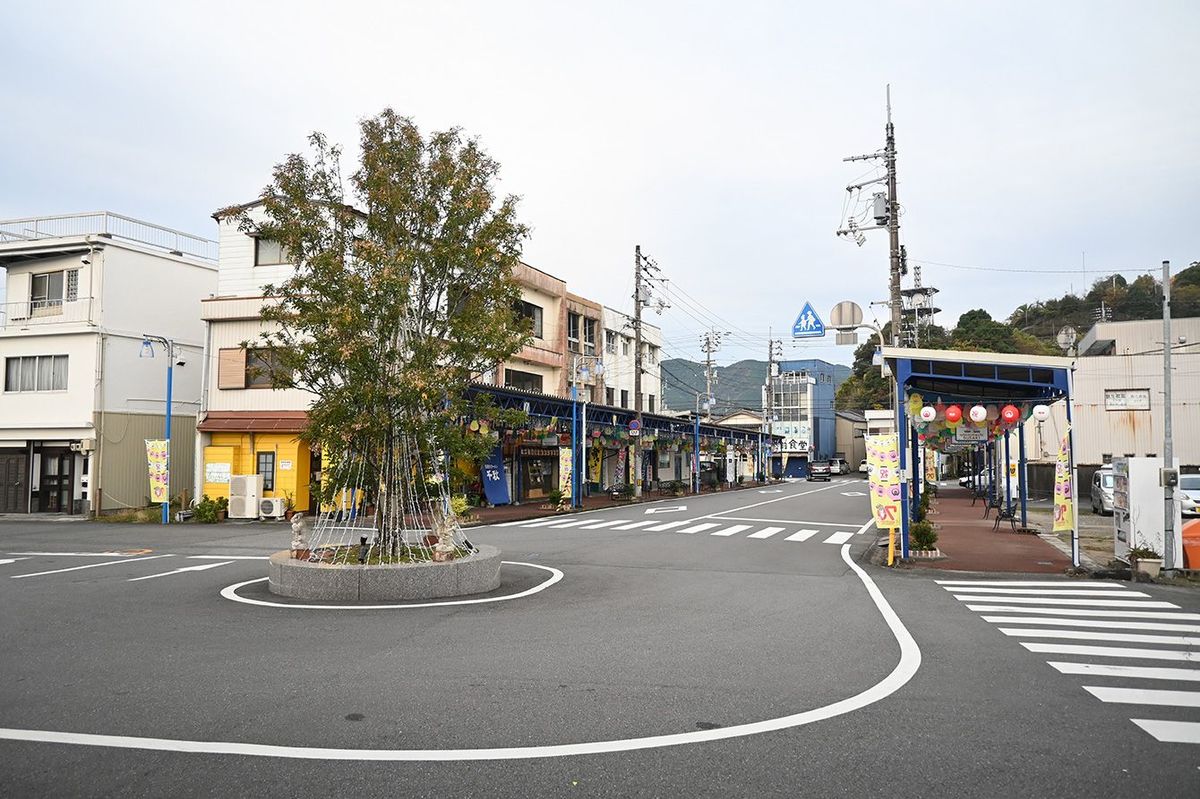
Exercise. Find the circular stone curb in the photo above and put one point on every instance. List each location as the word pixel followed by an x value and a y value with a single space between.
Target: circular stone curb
pixel 477 573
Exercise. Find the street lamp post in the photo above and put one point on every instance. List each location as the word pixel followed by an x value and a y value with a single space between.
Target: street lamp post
pixel 579 365
pixel 148 352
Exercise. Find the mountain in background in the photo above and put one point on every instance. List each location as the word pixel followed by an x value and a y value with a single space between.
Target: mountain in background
pixel 738 385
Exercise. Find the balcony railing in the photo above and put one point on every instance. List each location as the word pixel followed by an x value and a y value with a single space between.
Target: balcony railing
pixel 106 223
pixel 36 313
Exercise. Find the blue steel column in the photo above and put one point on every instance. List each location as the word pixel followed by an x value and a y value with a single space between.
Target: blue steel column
pixel 1071 472
pixel 166 508
pixel 1007 472
pixel 574 447
pixel 916 462
pixel 1023 473
pixel 901 432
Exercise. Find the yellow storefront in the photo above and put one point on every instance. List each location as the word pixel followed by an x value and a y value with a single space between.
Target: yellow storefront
pixel 240 443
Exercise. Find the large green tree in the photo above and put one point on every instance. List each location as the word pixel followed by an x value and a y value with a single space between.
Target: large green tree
pixel 402 293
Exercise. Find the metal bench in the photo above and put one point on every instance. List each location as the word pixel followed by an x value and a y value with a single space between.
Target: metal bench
pixel 1004 514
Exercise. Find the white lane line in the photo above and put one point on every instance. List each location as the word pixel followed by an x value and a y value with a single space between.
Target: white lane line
pixel 721 517
pixel 1135 672
pixel 698 528
pixel 803 535
pixel 1111 652
pixel 1108 614
pixel 1095 603
pixel 598 525
pixel 1144 696
pixel 905 669
pixel 90 566
pixel 229 557
pixel 838 538
pixel 77 554
pixel 199 568
pixel 1032 583
pixel 766 502
pixel 658 528
pixel 1126 625
pixel 1171 732
pixel 635 525
pixel 571 523
pixel 1087 635
pixel 4 561
pixel 767 532
pixel 732 530
pixel 1046 591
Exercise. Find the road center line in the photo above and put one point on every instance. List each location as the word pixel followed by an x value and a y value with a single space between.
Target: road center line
pixel 90 566
pixel 905 669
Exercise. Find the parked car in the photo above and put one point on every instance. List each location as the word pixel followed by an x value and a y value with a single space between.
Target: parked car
pixel 1102 491
pixel 981 478
pixel 864 467
pixel 1189 494
pixel 819 470
pixel 838 466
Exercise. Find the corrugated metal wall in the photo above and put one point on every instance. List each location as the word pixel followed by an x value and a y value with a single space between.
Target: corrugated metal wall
pixel 124 478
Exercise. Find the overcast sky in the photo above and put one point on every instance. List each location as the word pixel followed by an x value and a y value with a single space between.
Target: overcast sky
pixel 712 134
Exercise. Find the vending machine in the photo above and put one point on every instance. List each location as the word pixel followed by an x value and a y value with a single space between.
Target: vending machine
pixel 1139 517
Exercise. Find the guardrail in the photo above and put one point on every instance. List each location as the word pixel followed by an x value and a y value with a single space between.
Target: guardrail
pixel 106 223
pixel 19 315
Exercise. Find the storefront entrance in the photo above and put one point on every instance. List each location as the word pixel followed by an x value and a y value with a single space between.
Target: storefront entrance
pixel 57 481
pixel 539 472
pixel 14 488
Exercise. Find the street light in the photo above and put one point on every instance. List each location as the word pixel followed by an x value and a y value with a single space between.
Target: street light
pixel 579 368
pixel 147 351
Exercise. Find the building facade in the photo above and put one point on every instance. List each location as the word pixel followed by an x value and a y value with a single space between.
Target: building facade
pixel 80 394
pixel 802 415
pixel 619 363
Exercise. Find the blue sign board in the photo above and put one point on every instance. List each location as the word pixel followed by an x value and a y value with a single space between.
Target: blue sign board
pixel 495 486
pixel 808 324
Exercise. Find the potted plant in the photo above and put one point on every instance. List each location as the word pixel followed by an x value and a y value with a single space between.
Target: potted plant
pixel 677 488
pixel 289 506
pixel 1145 560
pixel 923 538
pixel 555 498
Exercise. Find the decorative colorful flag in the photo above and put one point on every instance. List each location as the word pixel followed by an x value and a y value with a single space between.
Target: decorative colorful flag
pixel 160 477
pixel 883 463
pixel 1064 490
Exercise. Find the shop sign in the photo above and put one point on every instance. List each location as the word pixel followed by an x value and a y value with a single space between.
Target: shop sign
pixel 285 466
pixel 1128 399
pixel 217 473
pixel 160 478
pixel 966 435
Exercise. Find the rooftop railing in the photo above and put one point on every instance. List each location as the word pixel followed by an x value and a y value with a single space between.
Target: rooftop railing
pixel 31 313
pixel 106 223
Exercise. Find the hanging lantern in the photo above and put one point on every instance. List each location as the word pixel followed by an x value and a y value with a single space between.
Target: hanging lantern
pixel 1010 414
pixel 978 413
pixel 928 413
pixel 940 409
pixel 1041 412
pixel 954 414
pixel 993 413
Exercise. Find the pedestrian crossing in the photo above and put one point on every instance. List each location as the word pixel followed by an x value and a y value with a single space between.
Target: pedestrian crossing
pixel 1129 649
pixel 720 528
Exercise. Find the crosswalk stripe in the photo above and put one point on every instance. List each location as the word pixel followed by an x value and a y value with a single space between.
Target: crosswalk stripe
pixel 542 522
pixel 1045 591
pixel 766 532
pixel 838 538
pixel 1171 732
pixel 572 523
pixel 668 526
pixel 734 530
pixel 633 525
pixel 1137 672
pixel 1096 603
pixel 598 525
pixel 803 535
pixel 1108 614
pixel 1128 625
pixel 698 528
pixel 1087 635
pixel 511 524
pixel 1144 696
pixel 1111 652
pixel 1032 583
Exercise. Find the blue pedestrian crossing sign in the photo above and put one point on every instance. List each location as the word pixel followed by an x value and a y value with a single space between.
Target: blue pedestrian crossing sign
pixel 808 324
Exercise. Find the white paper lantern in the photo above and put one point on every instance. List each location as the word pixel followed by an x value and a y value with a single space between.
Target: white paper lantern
pixel 978 413
pixel 928 413
pixel 1041 412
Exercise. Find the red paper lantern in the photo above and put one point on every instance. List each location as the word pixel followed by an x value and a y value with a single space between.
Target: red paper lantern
pixel 1010 414
pixel 954 414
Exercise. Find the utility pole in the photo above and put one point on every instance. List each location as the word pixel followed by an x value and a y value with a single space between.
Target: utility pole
pixel 710 342
pixel 1168 444
pixel 637 367
pixel 774 349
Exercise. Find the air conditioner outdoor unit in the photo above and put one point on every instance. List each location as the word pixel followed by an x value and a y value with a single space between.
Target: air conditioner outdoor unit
pixel 244 492
pixel 271 508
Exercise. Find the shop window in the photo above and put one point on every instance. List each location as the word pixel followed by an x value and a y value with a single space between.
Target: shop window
pixel 266 468
pixel 527 310
pixel 526 381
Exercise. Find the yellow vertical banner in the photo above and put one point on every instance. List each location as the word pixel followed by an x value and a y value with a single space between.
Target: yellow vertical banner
pixel 1064 505
pixel 883 464
pixel 565 473
pixel 160 478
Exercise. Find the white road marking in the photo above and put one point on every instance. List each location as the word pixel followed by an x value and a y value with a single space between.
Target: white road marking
pixel 667 510
pixel 571 523
pixel 1171 732
pixel 731 530
pixel 1031 583
pixel 541 522
pixel 90 566
pixel 803 535
pixel 1108 614
pixel 598 525
pixel 509 524
pixel 229 557
pixel 1096 603
pixel 668 526
pixel 1111 652
pixel 1048 591
pixel 1127 625
pixel 199 568
pixel 854 493
pixel 1087 635
pixel 1144 696
pixel 4 561
pixel 634 525
pixel 766 532
pixel 905 669
pixel 720 517
pixel 697 528
pixel 838 538
pixel 1136 672
pixel 766 491
pixel 76 554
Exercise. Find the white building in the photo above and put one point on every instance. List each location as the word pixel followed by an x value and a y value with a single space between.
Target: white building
pixel 619 362
pixel 78 402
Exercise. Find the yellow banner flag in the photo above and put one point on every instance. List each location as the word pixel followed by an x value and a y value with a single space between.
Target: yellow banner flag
pixel 1064 503
pixel 160 477
pixel 883 465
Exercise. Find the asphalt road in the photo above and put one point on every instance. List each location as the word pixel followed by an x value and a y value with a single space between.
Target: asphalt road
pixel 745 610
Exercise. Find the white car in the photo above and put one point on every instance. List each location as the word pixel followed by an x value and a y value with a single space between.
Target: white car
pixel 1189 494
pixel 838 466
pixel 864 467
